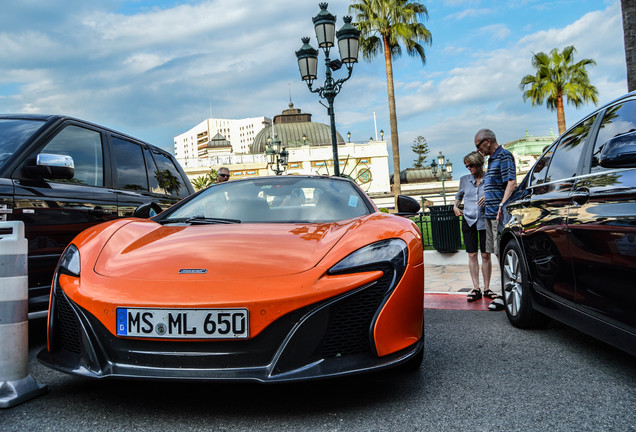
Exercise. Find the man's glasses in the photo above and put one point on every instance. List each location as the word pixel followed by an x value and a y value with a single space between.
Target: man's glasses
pixel 481 142
pixel 224 175
pixel 471 166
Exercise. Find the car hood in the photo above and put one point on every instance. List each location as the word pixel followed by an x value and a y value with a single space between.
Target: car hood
pixel 146 250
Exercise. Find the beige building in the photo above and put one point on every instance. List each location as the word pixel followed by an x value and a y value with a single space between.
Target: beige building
pixel 240 134
pixel 310 152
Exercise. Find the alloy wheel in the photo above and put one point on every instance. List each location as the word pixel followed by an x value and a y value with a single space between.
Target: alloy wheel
pixel 512 280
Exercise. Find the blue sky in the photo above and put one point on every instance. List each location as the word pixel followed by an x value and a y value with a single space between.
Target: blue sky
pixel 154 68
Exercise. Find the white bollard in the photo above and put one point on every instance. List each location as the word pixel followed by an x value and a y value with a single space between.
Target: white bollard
pixel 16 385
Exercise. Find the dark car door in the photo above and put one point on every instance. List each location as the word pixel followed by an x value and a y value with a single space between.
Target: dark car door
pixel 602 227
pixel 138 177
pixel 543 214
pixel 56 210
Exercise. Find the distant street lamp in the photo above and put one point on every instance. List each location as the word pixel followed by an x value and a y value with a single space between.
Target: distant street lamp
pixel 442 167
pixel 348 41
pixel 277 155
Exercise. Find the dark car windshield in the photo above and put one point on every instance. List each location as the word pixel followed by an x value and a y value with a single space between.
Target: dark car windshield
pixel 287 199
pixel 14 133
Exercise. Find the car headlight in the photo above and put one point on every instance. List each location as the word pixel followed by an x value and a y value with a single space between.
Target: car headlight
pixel 69 261
pixel 392 251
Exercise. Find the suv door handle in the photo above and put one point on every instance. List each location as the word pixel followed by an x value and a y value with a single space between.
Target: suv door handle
pixel 580 196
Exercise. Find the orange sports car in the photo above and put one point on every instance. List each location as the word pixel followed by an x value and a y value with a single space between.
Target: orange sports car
pixel 279 278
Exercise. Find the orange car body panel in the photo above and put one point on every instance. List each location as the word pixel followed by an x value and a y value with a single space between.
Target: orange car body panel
pixel 137 263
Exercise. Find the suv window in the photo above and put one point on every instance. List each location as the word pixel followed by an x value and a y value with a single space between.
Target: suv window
pixel 13 133
pixel 618 120
pixel 131 172
pixel 165 178
pixel 541 167
pixel 85 147
pixel 563 159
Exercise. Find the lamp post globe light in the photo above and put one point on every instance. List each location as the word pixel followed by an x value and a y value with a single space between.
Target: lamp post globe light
pixel 277 156
pixel 348 43
pixel 440 168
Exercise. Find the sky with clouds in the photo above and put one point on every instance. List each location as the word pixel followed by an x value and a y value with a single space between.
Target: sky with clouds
pixel 156 68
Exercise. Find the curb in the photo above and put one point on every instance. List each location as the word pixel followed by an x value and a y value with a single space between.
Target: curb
pixel 452 258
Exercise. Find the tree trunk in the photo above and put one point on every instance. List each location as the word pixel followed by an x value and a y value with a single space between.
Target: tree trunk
pixel 395 144
pixel 560 114
pixel 629 33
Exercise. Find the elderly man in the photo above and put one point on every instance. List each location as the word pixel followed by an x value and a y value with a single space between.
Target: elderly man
pixel 222 175
pixel 499 183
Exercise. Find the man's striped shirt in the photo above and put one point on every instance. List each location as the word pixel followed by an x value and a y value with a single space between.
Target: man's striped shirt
pixel 501 169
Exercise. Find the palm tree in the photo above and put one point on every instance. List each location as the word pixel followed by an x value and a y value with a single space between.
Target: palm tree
pixel 556 78
pixel 384 26
pixel 201 182
pixel 629 33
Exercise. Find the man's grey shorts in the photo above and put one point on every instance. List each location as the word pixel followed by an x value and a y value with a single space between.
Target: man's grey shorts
pixel 492 245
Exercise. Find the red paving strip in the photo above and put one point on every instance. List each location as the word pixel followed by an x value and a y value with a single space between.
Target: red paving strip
pixel 453 302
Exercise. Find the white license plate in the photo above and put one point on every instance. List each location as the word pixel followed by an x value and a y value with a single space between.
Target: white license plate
pixel 183 323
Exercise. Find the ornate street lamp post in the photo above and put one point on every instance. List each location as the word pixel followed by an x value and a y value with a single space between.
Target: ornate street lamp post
pixel 348 41
pixel 442 167
pixel 277 155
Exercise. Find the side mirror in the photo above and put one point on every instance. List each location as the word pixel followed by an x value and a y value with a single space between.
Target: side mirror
pixel 619 152
pixel 53 166
pixel 407 206
pixel 147 210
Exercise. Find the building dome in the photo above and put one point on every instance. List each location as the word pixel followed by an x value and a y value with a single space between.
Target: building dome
pixel 290 127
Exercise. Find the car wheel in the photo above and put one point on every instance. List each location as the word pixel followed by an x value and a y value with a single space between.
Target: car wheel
pixel 516 291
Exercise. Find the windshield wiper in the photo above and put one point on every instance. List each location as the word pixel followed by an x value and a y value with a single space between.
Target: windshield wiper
pixel 195 220
pixel 210 220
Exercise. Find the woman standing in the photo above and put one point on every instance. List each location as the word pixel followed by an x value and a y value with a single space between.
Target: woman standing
pixel 471 188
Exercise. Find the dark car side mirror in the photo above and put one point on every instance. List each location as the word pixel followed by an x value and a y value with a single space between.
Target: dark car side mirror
pixel 53 166
pixel 147 210
pixel 619 152
pixel 407 206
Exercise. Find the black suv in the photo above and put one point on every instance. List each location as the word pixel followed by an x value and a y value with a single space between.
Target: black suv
pixel 569 249
pixel 60 175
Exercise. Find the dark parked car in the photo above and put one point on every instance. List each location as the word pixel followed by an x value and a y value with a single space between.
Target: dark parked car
pixel 60 175
pixel 569 249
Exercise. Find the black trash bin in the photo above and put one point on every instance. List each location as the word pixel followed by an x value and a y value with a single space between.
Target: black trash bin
pixel 445 229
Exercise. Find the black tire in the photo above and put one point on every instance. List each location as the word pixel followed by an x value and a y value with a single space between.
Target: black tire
pixel 516 290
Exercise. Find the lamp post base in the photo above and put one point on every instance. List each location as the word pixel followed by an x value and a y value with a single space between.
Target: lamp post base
pixel 18 391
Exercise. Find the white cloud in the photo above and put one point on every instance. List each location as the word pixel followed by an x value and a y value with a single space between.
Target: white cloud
pixel 485 93
pixel 469 13
pixel 155 72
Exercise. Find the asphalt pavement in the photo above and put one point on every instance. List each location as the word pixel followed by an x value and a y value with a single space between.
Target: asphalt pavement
pixel 479 374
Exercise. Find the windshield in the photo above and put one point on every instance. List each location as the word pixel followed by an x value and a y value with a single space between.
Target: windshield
pixel 14 133
pixel 287 199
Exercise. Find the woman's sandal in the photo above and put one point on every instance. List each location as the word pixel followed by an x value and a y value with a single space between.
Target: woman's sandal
pixel 490 294
pixel 474 295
